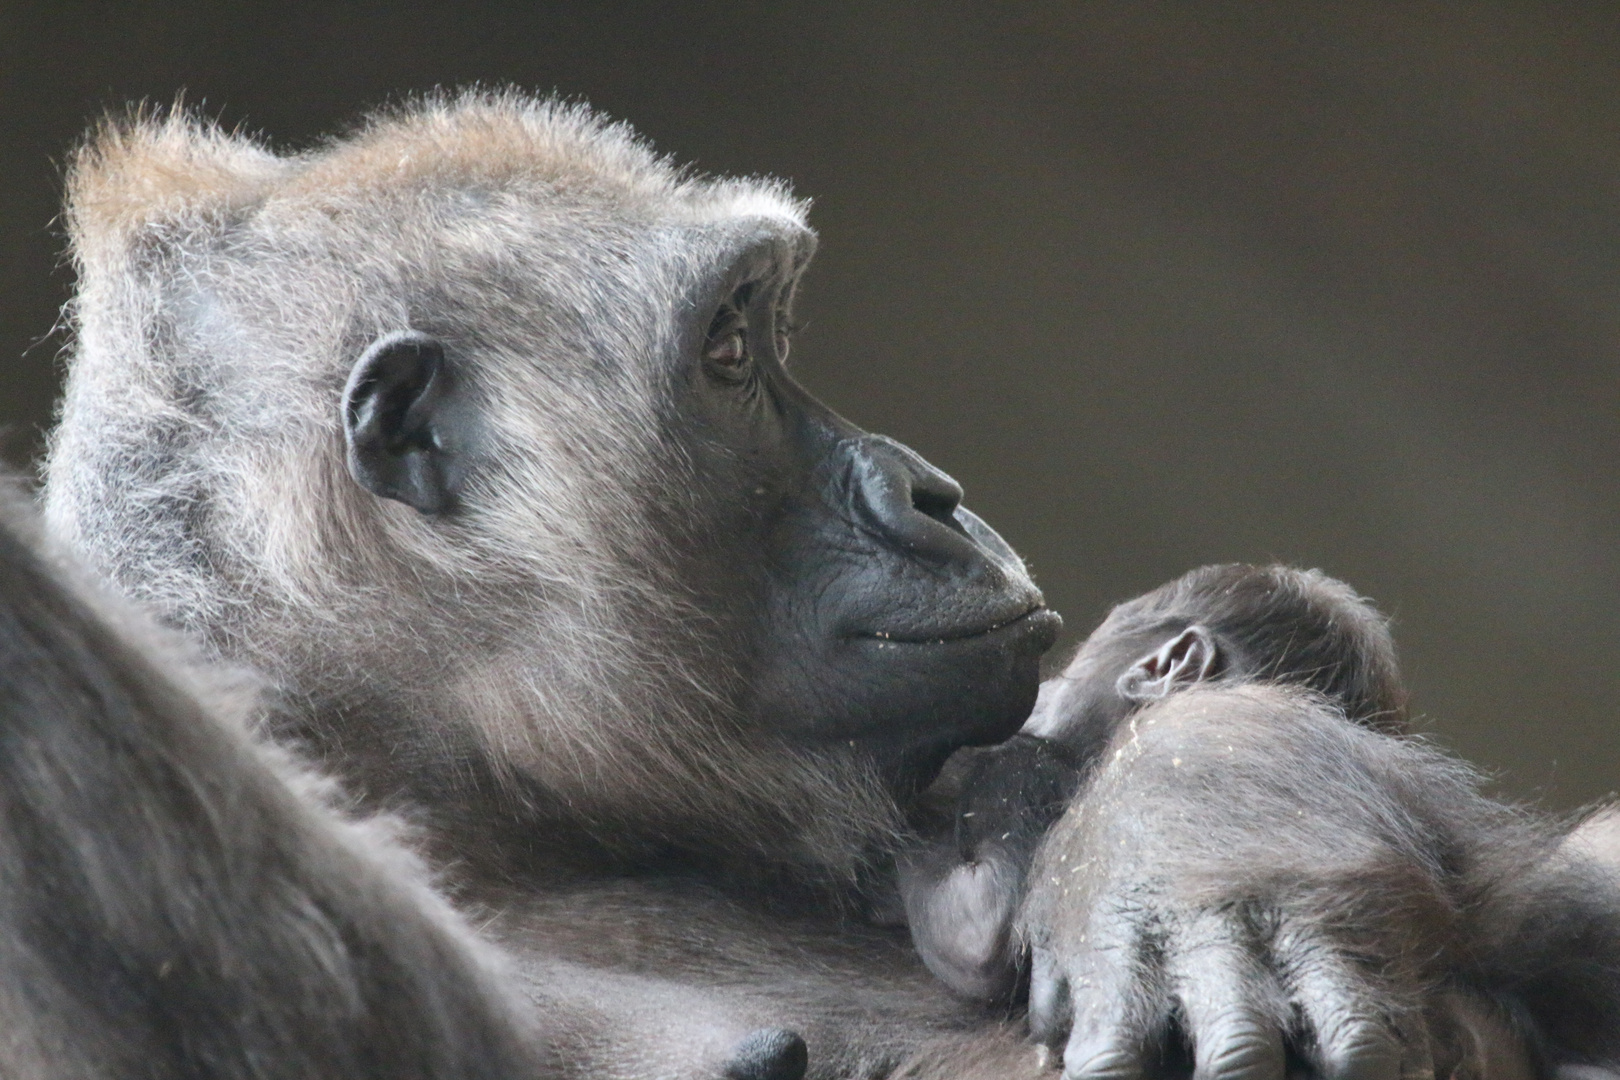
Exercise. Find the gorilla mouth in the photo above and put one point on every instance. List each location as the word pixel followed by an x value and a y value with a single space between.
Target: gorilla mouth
pixel 1036 618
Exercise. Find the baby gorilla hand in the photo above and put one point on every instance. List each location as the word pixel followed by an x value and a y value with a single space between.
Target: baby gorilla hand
pixel 1163 923
pixel 962 888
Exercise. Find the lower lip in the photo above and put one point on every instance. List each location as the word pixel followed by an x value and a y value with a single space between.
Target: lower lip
pixel 1035 620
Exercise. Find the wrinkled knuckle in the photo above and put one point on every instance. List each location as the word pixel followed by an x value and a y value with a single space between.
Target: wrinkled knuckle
pixel 1101 1061
pixel 1244 1049
pixel 1359 1049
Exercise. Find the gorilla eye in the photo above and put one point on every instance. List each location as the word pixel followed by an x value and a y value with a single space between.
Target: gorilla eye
pixel 784 340
pixel 726 353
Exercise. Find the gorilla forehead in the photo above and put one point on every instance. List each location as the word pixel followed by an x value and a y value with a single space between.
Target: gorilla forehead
pixel 577 208
pixel 521 215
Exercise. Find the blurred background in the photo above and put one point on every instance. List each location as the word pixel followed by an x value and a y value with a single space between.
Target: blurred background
pixel 1161 283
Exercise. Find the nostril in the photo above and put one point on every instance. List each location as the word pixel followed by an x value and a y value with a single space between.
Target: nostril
pixel 899 494
pixel 937 502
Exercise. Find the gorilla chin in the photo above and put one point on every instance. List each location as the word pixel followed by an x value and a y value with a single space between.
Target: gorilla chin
pixel 911 703
pixel 976 689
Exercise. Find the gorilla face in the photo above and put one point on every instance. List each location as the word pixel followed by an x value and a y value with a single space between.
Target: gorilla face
pixel 474 433
pixel 879 610
pixel 854 601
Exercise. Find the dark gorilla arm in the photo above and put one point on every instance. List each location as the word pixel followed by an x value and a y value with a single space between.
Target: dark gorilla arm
pixel 1346 931
pixel 170 907
pixel 1549 946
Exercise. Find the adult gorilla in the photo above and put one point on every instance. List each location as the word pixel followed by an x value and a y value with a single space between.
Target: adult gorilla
pixel 472 432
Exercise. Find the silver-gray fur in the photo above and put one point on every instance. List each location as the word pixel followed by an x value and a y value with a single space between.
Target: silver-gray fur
pixel 574 624
pixel 534 682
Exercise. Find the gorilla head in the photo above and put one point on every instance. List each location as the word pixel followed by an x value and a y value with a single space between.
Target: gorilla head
pixel 475 432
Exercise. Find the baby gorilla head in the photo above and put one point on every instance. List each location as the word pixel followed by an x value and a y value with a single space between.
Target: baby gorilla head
pixel 1230 623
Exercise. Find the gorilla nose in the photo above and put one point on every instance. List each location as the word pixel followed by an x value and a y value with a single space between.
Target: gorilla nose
pixel 907 501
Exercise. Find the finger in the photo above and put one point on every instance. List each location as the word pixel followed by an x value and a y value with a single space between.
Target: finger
pixel 1117 1002
pixel 1049 1009
pixel 1230 1003
pixel 1353 1040
pixel 1106 1057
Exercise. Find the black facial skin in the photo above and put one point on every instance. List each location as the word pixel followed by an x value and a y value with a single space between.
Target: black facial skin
pixel 887 615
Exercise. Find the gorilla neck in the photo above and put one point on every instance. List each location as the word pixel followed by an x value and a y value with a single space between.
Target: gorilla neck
pixel 820 820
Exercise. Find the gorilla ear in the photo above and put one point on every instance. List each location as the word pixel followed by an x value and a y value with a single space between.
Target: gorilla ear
pixel 1189 657
pixel 401 424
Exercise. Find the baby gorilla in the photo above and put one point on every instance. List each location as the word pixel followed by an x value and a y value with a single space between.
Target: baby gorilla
pixel 1219 624
pixel 1132 714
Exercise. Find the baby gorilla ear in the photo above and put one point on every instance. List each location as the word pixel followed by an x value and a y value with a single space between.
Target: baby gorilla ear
pixel 401 421
pixel 1189 657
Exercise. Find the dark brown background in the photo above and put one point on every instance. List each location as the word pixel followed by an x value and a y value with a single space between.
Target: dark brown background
pixel 1160 284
